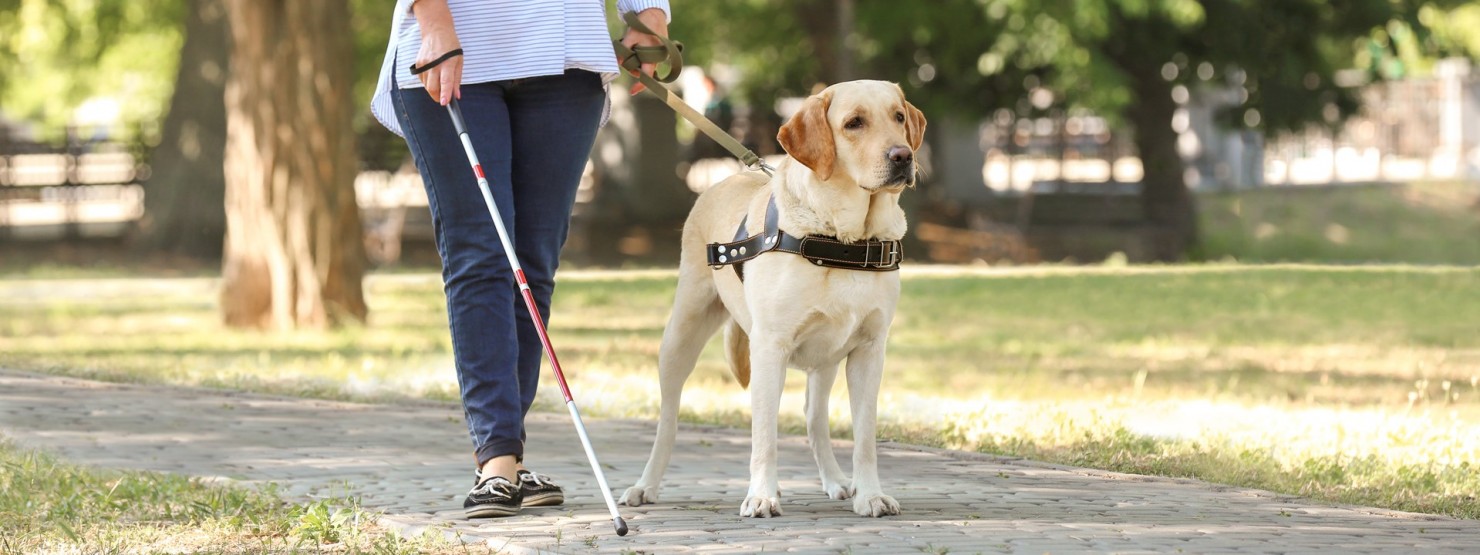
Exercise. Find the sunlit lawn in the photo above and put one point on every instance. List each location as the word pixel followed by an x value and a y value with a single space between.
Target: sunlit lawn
pixel 1421 223
pixel 49 506
pixel 1355 384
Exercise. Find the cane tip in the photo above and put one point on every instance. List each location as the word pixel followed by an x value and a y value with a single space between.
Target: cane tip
pixel 621 525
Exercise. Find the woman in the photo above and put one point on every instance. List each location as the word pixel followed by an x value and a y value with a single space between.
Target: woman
pixel 532 80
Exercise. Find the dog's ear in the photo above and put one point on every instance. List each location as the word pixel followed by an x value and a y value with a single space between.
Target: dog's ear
pixel 808 138
pixel 914 125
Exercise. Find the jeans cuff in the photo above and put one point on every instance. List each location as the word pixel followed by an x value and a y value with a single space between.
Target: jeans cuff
pixel 498 448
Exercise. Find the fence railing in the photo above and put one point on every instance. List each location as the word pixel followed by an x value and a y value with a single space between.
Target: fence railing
pixel 1414 129
pixel 71 183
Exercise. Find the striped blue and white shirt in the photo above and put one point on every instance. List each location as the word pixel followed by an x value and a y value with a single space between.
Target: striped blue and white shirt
pixel 508 39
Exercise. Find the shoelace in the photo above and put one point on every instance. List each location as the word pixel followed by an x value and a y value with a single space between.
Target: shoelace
pixel 491 487
pixel 536 479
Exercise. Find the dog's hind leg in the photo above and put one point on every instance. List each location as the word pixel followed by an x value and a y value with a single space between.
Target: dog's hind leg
pixel 697 314
pixel 865 371
pixel 819 386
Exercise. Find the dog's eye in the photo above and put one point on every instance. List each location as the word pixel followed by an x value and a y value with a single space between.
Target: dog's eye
pixel 854 123
pixel 899 117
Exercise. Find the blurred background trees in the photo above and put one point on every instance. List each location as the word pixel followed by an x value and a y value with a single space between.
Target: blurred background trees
pixel 1123 59
pixel 1284 66
pixel 294 255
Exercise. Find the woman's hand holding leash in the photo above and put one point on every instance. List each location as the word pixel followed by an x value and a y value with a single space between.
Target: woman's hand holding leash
pixel 657 22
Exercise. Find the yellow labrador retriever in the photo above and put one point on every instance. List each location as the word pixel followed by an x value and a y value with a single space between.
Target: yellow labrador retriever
pixel 851 155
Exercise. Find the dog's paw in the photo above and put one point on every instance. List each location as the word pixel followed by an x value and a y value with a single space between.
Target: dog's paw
pixel 839 490
pixel 875 505
pixel 761 507
pixel 635 496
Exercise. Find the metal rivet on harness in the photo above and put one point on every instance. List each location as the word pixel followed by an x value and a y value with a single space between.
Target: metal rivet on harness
pixel 733 252
pixel 819 262
pixel 723 258
pixel 742 250
pixel 720 250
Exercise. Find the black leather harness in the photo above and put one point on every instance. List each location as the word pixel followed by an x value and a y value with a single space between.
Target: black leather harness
pixel 871 255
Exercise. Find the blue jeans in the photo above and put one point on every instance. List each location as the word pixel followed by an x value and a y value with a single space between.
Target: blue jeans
pixel 533 137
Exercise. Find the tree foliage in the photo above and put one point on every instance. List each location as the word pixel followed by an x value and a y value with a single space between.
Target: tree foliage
pixel 967 57
pixel 57 54
pixel 1121 58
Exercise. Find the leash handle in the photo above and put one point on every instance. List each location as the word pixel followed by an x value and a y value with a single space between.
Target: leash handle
pixel 669 52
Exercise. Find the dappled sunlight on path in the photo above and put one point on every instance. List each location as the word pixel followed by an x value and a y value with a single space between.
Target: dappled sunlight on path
pixel 411 461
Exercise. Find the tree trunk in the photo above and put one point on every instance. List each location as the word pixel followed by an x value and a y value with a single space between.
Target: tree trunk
pixel 846 19
pixel 183 205
pixel 294 248
pixel 658 195
pixel 824 26
pixel 1167 203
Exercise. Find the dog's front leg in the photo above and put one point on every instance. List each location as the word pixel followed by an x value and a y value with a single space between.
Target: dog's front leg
pixel 767 378
pixel 696 314
pixel 819 387
pixel 865 371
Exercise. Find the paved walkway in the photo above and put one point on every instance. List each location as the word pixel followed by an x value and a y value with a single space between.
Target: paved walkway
pixel 412 462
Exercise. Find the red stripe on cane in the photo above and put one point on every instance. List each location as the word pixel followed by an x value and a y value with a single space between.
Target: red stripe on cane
pixel 478 169
pixel 539 324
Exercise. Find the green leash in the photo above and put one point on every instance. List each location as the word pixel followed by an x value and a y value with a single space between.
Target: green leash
pixel 671 53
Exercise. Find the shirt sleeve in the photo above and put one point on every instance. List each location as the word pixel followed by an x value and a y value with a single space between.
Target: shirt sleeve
pixel 634 6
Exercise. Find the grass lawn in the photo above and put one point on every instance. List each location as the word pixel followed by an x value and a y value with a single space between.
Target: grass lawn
pixel 1352 384
pixel 1418 223
pixel 47 506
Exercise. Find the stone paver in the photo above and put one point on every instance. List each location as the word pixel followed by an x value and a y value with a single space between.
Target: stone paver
pixel 414 462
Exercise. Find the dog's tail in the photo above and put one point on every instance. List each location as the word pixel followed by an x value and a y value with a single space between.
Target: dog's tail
pixel 737 349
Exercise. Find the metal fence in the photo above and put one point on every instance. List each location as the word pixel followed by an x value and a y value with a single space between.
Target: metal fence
pixel 1420 128
pixel 71 183
pixel 1417 128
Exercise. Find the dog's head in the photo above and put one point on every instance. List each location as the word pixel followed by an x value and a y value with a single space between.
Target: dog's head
pixel 864 131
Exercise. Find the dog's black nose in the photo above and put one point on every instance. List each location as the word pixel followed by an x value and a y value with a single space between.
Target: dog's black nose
pixel 901 155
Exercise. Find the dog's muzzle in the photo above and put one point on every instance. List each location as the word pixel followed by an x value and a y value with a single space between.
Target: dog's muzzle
pixel 896 181
pixel 901 169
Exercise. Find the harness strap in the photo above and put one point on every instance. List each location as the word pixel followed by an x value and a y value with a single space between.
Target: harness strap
pixel 743 248
pixel 872 255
